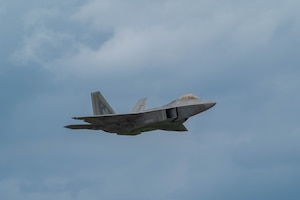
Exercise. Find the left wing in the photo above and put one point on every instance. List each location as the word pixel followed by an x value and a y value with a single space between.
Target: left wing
pixel 110 123
pixel 123 123
pixel 108 119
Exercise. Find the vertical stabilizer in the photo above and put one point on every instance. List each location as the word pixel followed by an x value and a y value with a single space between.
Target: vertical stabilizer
pixel 100 105
pixel 139 106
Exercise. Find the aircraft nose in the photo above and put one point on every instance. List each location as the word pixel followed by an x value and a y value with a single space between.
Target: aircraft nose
pixel 210 104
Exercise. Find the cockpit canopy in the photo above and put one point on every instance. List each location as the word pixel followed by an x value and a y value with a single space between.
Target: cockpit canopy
pixel 188 96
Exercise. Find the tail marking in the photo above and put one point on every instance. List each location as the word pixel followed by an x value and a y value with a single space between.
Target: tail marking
pixel 100 105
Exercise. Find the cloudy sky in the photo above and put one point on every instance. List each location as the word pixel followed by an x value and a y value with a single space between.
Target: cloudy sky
pixel 242 54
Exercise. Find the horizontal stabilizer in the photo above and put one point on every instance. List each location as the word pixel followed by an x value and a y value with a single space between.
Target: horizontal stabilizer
pixel 81 126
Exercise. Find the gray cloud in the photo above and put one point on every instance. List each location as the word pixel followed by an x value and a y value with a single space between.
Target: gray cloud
pixel 244 55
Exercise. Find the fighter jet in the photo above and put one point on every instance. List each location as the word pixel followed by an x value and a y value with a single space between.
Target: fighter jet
pixel 169 117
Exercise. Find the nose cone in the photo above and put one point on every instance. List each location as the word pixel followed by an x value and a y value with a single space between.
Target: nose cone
pixel 210 104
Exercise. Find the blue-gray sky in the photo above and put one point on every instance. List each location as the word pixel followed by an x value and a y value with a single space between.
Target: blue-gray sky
pixel 242 54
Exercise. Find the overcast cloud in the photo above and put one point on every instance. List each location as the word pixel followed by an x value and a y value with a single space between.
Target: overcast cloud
pixel 242 54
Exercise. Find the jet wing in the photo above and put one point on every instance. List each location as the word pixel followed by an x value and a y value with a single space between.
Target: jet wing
pixel 124 123
pixel 107 119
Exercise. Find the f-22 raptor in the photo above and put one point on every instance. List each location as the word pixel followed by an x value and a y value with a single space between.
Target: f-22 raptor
pixel 169 117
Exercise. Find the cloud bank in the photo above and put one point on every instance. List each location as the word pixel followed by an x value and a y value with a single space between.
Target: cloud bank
pixel 244 55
